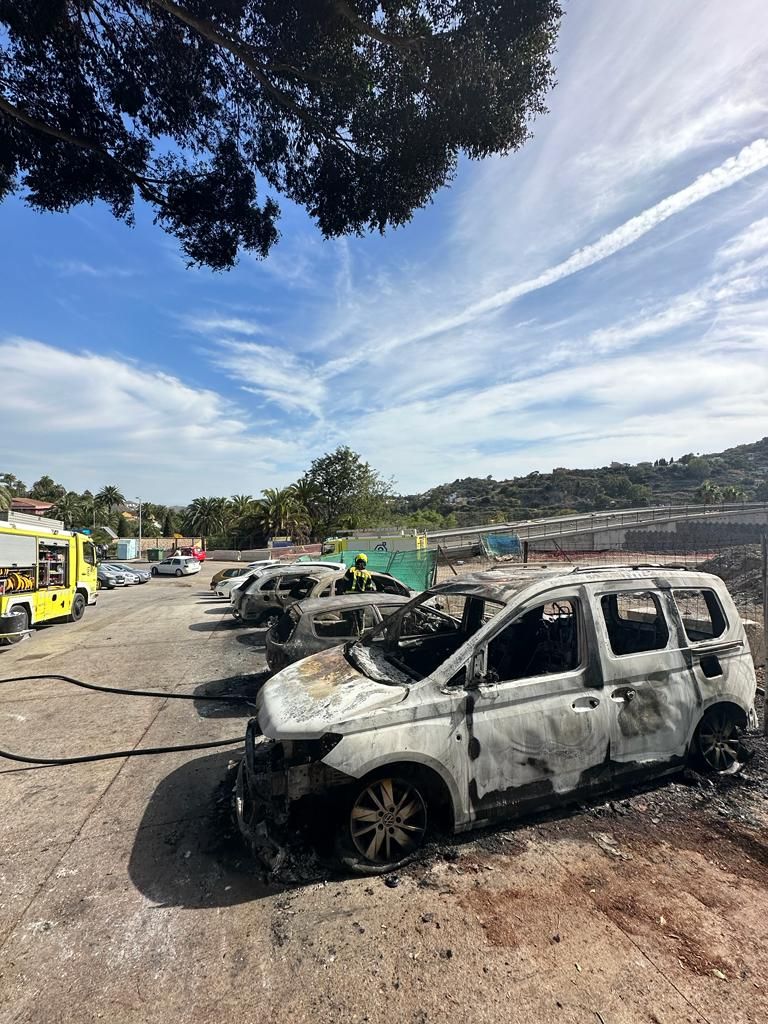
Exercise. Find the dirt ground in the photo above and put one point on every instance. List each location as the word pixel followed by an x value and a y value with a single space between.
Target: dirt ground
pixel 125 894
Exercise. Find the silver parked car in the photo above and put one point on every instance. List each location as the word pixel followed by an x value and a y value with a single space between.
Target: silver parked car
pixel 495 694
pixel 132 573
pixel 317 624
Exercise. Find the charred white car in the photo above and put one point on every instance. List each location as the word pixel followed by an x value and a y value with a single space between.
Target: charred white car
pixel 495 694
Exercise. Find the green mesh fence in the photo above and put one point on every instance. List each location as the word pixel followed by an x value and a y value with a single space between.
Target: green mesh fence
pixel 414 568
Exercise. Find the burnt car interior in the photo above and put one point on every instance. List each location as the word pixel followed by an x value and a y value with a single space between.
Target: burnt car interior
pixel 344 624
pixel 295 588
pixel 383 584
pixel 635 622
pixel 543 641
pixel 431 631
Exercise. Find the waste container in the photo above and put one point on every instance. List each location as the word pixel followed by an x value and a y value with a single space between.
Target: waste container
pixel 155 554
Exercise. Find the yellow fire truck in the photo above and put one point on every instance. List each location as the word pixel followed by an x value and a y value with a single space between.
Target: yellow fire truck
pixel 46 573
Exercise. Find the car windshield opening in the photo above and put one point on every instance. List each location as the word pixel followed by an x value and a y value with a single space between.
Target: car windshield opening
pixel 414 641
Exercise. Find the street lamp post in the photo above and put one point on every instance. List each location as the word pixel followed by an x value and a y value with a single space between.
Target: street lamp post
pixel 139 501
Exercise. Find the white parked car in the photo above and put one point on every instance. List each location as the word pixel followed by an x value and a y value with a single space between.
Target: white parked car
pixel 179 565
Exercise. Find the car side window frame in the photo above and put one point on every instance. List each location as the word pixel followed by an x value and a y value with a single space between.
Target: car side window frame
pixel 714 608
pixel 477 667
pixel 664 612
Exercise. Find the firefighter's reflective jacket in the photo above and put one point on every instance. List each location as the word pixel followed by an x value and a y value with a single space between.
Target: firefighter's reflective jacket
pixel 360 580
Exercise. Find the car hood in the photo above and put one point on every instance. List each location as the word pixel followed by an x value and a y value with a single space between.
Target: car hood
pixel 320 693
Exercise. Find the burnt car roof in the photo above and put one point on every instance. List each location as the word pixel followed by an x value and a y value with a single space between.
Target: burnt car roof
pixel 341 601
pixel 504 583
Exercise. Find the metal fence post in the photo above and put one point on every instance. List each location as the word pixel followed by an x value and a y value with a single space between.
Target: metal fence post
pixel 765 629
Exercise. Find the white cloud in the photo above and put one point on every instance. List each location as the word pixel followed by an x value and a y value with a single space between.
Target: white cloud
pixel 75 268
pixel 274 374
pixel 748 243
pixel 220 324
pixel 88 419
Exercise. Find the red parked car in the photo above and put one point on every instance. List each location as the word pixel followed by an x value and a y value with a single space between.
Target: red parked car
pixel 194 552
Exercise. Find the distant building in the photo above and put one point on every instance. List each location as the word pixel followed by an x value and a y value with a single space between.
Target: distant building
pixel 31 506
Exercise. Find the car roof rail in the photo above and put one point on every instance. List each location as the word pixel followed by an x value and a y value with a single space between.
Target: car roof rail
pixel 637 565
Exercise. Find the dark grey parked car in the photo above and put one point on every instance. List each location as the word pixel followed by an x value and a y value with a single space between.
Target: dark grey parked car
pixel 315 625
pixel 144 575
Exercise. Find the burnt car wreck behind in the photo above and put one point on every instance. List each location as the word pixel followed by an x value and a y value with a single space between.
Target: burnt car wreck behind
pixel 496 694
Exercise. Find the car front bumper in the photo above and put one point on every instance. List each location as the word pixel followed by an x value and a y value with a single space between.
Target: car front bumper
pixel 268 786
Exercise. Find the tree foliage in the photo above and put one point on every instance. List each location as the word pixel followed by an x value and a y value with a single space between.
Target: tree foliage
pixel 349 494
pixel 110 497
pixel 206 516
pixel 15 487
pixel 46 489
pixel 354 109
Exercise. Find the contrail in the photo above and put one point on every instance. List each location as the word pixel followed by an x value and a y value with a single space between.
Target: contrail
pixel 750 159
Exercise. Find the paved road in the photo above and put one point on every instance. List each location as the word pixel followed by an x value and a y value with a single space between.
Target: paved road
pixel 124 896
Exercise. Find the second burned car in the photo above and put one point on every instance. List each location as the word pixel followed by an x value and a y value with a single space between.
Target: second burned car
pixel 314 625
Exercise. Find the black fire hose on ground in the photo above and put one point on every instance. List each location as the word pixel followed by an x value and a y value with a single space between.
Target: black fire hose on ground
pixel 122 691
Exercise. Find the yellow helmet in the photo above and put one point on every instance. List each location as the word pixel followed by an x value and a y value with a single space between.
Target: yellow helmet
pixel 360 557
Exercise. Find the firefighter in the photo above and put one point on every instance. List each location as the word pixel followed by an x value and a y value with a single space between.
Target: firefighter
pixel 359 580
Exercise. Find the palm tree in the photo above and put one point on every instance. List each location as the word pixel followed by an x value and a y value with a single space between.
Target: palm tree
pixel 110 497
pixel 5 497
pixel 241 505
pixel 708 493
pixel 306 494
pixel 280 513
pixel 69 508
pixel 206 516
pixel 732 493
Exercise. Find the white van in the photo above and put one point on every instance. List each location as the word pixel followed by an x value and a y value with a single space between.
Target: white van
pixel 495 694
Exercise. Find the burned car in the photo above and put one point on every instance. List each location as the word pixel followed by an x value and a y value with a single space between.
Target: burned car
pixel 317 624
pixel 383 582
pixel 263 599
pixel 495 694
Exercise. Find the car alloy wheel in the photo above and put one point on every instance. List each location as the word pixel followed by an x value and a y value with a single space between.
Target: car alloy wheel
pixel 388 822
pixel 718 740
pixel 179 572
pixel 155 570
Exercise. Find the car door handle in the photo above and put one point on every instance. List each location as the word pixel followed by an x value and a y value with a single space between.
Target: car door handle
pixel 585 704
pixel 626 693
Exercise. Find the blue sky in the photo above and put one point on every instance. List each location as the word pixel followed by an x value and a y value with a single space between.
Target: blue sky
pixel 601 295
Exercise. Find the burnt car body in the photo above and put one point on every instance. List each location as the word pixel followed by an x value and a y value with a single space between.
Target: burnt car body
pixel 266 596
pixel 317 624
pixel 494 694
pixel 383 582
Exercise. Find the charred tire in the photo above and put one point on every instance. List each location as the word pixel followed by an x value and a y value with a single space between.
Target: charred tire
pixel 21 615
pixel 78 608
pixel 155 571
pixel 179 572
pixel 383 823
pixel 716 745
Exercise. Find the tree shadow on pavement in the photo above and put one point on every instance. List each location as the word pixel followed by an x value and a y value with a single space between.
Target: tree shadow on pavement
pixel 188 851
pixel 247 685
